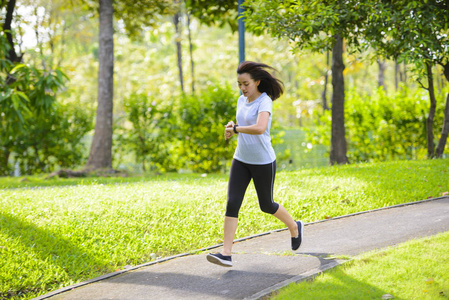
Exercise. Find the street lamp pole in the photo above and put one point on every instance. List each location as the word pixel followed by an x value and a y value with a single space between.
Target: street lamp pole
pixel 241 33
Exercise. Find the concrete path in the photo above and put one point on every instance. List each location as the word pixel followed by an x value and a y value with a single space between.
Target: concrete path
pixel 265 263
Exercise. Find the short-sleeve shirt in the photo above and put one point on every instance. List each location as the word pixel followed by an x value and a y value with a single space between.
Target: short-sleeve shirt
pixel 255 149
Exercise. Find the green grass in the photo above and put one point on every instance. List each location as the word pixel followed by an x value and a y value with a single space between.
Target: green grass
pixel 58 232
pixel 414 270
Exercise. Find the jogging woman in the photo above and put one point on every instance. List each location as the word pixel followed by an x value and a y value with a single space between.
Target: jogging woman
pixel 254 157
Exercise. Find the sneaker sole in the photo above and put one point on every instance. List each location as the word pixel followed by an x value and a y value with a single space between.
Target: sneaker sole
pixel 217 261
pixel 302 231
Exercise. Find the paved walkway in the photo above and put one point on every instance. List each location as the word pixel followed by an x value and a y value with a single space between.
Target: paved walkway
pixel 265 263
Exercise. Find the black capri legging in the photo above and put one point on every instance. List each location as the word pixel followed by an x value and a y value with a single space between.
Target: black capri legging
pixel 239 179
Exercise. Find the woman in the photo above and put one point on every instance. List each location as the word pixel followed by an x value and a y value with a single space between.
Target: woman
pixel 254 157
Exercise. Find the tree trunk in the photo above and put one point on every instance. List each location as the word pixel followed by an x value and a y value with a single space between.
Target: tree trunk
pixel 381 77
pixel 445 131
pixel 12 55
pixel 101 150
pixel 192 65
pixel 396 75
pixel 14 58
pixel 338 140
pixel 179 49
pixel 404 74
pixel 39 40
pixel 326 77
pixel 431 116
pixel 400 75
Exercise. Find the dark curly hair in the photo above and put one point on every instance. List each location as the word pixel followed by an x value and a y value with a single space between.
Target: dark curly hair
pixel 268 83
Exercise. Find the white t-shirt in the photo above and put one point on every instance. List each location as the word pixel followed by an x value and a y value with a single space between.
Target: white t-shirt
pixel 254 149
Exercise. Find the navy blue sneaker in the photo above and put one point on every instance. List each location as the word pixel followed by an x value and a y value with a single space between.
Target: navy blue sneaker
pixel 296 241
pixel 219 259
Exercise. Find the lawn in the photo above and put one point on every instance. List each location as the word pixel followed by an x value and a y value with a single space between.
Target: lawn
pixel 414 270
pixel 57 232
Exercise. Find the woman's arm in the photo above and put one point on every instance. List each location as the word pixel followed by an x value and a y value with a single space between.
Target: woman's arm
pixel 258 128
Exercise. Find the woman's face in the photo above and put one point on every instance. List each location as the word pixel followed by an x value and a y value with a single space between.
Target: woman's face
pixel 248 86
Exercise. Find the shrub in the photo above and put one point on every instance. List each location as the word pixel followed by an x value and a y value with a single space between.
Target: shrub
pixel 381 127
pixel 36 132
pixel 179 134
pixel 146 132
pixel 53 140
pixel 201 121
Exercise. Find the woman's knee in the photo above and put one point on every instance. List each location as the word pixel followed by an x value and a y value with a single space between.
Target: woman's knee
pixel 233 214
pixel 233 208
pixel 270 208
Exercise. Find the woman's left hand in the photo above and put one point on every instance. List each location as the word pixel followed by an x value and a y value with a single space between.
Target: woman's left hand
pixel 230 124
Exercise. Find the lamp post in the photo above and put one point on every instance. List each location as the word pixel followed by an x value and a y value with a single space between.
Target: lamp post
pixel 241 33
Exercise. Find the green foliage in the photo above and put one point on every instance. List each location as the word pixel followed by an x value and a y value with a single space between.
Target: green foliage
pixel 308 24
pixel 295 153
pixel 53 140
pixel 184 133
pixel 219 12
pixel 147 132
pixel 140 14
pixel 147 63
pixel 415 32
pixel 201 122
pixel 35 131
pixel 381 127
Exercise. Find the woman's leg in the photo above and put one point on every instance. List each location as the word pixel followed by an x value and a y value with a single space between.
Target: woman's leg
pixel 263 177
pixel 239 179
pixel 283 215
pixel 230 226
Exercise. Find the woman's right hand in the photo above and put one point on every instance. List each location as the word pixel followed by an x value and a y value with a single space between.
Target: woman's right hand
pixel 229 130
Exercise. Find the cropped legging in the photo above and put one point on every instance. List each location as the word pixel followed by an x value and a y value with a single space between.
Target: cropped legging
pixel 239 179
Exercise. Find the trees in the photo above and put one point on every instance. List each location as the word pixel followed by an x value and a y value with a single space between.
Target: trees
pixel 31 122
pixel 135 14
pixel 411 31
pixel 11 54
pixel 218 12
pixel 415 32
pixel 178 39
pixel 210 13
pixel 100 155
pixel 143 71
pixel 338 139
pixel 320 26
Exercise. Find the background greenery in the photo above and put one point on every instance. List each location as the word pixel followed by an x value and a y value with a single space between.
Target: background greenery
pixel 165 136
pixel 381 127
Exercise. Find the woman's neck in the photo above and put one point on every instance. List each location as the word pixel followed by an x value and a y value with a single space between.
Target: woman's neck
pixel 255 97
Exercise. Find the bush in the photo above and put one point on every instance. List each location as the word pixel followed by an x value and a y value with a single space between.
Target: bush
pixel 36 132
pixel 146 132
pixel 380 128
pixel 179 134
pixel 54 140
pixel 201 121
